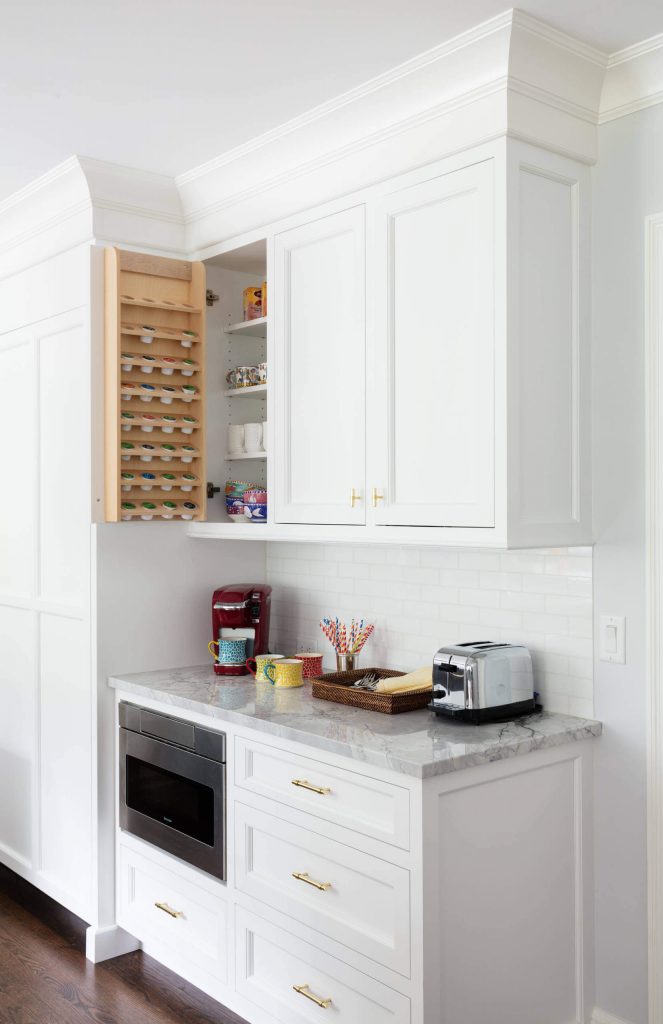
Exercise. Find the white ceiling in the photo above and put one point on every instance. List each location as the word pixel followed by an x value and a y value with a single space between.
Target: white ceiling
pixel 165 85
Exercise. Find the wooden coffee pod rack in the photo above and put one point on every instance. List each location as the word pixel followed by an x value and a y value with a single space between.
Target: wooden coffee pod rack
pixel 154 384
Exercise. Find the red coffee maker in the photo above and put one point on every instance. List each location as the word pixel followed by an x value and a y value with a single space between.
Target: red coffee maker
pixel 242 609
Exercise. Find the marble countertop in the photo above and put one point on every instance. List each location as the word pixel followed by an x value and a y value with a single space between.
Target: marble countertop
pixel 415 743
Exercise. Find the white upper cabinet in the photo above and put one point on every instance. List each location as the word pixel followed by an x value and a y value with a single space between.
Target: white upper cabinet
pixel 319 373
pixel 432 353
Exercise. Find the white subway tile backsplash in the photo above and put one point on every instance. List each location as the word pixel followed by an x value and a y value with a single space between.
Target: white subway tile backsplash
pixel 422 598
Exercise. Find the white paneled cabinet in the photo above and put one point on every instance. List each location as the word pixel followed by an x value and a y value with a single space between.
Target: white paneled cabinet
pixel 431 399
pixel 459 412
pixel 320 370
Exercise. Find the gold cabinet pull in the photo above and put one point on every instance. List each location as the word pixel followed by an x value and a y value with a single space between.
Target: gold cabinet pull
pixel 354 498
pixel 375 497
pixel 302 876
pixel 169 910
pixel 304 990
pixel 305 784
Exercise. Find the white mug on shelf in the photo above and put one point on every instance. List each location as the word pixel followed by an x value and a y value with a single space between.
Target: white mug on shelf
pixel 252 436
pixel 235 438
pixel 264 436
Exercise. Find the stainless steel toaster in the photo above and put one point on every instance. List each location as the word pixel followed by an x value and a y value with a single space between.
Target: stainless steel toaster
pixel 483 682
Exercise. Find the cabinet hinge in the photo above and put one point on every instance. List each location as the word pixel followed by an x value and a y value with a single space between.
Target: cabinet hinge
pixel 212 489
pixel 210 297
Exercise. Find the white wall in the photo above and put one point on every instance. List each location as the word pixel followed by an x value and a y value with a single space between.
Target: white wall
pixel 628 185
pixel 421 598
pixel 154 591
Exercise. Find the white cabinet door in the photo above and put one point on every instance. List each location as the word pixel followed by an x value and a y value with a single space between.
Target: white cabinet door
pixel 320 371
pixel 431 353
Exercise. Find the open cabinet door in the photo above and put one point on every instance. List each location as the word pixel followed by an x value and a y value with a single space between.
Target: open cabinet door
pixel 154 388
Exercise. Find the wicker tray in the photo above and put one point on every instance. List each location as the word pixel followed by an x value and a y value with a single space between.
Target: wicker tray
pixel 336 686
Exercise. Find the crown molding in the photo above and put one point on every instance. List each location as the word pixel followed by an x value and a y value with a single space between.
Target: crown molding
pixel 633 80
pixel 379 82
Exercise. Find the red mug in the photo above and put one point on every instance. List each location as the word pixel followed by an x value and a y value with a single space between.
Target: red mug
pixel 312 664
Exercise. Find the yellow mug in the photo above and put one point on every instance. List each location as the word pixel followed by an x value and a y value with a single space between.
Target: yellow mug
pixel 285 673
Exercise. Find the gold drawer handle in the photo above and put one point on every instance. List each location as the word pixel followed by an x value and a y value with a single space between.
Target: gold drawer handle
pixel 304 990
pixel 305 784
pixel 169 910
pixel 375 497
pixel 302 876
pixel 354 498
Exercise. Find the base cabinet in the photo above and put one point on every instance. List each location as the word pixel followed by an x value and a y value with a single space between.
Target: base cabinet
pixel 486 915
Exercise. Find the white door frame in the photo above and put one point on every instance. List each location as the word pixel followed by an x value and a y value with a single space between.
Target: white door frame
pixel 654 574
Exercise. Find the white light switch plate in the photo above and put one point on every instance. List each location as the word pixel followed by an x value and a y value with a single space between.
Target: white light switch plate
pixel 612 638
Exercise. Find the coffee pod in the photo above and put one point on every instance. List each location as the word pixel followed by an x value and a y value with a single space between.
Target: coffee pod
pixel 188 391
pixel 149 508
pixel 127 367
pixel 147 392
pixel 188 481
pixel 126 417
pixel 147 334
pixel 127 508
pixel 189 508
pixel 148 427
pixel 168 509
pixel 169 424
pixel 188 453
pixel 147 364
pixel 187 338
pixel 147 452
pixel 127 480
pixel 147 481
pixel 168 370
pixel 167 452
pixel 127 449
pixel 190 422
pixel 167 481
pixel 188 367
pixel 169 394
pixel 127 385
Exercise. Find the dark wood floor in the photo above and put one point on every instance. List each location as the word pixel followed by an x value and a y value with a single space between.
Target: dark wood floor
pixel 45 978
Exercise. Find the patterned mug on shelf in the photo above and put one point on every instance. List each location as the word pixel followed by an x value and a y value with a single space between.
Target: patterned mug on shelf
pixel 311 664
pixel 230 651
pixel 285 673
pixel 256 666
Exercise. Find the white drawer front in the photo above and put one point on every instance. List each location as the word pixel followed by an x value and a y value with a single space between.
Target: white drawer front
pixel 369 806
pixel 270 963
pixel 365 902
pixel 199 931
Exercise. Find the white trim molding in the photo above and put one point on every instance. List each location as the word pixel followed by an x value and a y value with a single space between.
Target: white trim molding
pixel 654 569
pixel 633 80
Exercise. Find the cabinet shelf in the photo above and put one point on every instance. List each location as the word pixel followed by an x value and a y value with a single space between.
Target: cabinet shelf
pixel 145 303
pixel 246 455
pixel 255 391
pixel 161 332
pixel 252 328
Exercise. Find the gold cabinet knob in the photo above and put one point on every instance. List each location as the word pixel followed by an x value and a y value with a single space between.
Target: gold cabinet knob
pixel 354 498
pixel 169 910
pixel 304 990
pixel 375 497
pixel 303 876
pixel 305 784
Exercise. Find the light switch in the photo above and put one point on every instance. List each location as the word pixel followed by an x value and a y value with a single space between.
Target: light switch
pixel 612 645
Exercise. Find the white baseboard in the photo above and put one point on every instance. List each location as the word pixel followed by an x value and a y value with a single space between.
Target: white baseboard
pixel 601 1017
pixel 105 943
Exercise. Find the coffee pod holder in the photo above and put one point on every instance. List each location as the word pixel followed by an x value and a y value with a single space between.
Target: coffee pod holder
pixel 155 387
